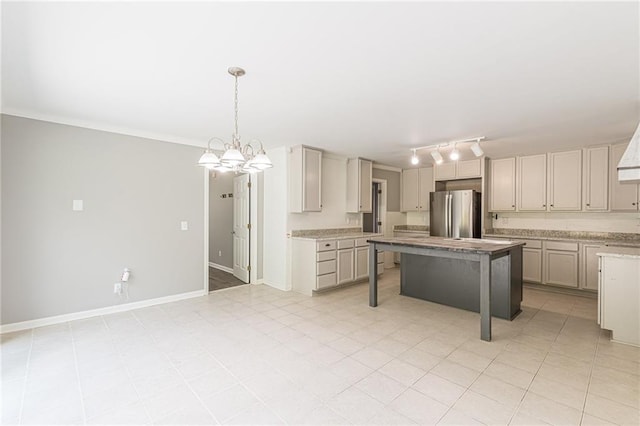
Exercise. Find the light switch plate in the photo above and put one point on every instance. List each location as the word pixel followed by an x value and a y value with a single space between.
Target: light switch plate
pixel 184 225
pixel 78 205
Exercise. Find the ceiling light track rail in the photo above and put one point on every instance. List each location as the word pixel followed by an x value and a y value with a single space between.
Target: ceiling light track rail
pixel 454 154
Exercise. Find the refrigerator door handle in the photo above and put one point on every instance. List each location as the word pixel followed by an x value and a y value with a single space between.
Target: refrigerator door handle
pixel 447 215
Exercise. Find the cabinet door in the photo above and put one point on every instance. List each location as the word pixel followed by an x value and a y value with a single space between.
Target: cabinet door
pixel 561 268
pixel 596 179
pixel 532 183
pixel 410 190
pixel 565 181
pixel 425 186
pixel 532 265
pixel 345 266
pixel 624 197
pixel 445 171
pixel 469 169
pixel 312 180
pixel 502 191
pixel 366 176
pixel 362 262
pixel 590 266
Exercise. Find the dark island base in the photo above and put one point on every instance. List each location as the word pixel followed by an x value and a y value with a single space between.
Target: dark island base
pixel 456 282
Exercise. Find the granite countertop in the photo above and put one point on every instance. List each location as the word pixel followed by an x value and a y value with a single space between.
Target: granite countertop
pixel 606 238
pixel 410 228
pixel 331 234
pixel 467 245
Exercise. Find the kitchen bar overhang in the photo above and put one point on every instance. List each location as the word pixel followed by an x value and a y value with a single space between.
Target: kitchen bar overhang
pixel 504 257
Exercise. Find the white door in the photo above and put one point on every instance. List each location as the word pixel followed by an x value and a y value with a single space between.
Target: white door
pixel 241 227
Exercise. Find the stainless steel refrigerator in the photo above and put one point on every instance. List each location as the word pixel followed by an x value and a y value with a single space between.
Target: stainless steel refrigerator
pixel 455 214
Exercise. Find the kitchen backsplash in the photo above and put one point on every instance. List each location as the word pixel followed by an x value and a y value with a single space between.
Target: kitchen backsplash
pixel 591 222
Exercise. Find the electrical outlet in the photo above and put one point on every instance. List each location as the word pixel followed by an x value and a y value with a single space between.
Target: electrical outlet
pixel 219 253
pixel 117 288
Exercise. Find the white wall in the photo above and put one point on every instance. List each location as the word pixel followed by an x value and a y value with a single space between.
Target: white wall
pixel 136 191
pixel 275 214
pixel 595 222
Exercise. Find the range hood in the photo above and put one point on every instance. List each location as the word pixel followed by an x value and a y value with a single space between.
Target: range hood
pixel 629 165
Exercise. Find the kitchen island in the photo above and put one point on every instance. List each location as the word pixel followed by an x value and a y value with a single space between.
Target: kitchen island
pixel 473 274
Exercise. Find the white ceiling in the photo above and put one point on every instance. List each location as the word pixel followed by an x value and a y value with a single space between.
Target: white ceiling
pixel 356 79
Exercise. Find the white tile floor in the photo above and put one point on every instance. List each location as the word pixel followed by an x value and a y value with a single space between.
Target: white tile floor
pixel 255 355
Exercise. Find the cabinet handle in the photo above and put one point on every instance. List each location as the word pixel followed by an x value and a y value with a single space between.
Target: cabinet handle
pixel 633 204
pixel 551 205
pixel 544 205
pixel 327 245
pixel 588 204
pixel 513 205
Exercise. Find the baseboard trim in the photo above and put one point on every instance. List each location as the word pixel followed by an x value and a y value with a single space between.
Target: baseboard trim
pixel 58 319
pixel 222 268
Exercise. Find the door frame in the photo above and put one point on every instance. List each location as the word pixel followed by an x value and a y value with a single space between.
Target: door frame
pixel 253 235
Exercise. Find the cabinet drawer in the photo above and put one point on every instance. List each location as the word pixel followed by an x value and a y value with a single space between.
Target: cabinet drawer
pixel 533 244
pixel 326 267
pixel 345 244
pixel 562 246
pixel 324 281
pixel 325 245
pixel 361 242
pixel 325 255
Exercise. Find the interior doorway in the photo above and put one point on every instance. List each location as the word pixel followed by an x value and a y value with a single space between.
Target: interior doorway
pixel 375 221
pixel 229 215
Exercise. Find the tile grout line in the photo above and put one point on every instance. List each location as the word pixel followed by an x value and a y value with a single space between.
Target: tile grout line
pixel 26 377
pixel 75 363
pixel 536 373
pixel 586 395
pixel 215 419
pixel 121 358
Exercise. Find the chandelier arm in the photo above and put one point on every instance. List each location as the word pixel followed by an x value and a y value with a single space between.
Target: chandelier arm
pixel 217 139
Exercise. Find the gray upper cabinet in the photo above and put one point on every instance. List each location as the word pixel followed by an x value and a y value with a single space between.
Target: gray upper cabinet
pixel 596 179
pixel 565 181
pixel 532 183
pixel 305 179
pixel 359 179
pixel 502 183
pixel 416 186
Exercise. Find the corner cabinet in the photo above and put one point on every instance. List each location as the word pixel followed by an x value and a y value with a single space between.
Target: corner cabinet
pixel 416 186
pixel 318 264
pixel 359 179
pixel 624 196
pixel 305 179
pixel 502 189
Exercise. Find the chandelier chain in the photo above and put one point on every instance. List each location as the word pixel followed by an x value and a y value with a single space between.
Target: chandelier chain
pixel 236 108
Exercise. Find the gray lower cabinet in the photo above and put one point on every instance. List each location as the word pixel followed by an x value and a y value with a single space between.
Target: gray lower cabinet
pixel 561 263
pixel 345 266
pixel 321 264
pixel 532 261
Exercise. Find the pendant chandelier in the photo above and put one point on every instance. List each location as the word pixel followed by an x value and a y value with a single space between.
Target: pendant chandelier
pixel 237 157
